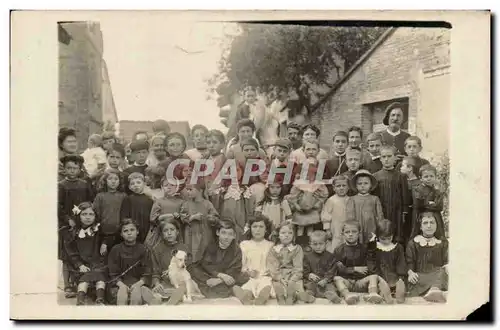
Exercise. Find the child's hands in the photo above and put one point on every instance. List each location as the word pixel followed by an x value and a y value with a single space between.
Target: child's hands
pixel 164 273
pixel 211 282
pixel 322 283
pixel 198 216
pixel 229 280
pixel 104 249
pixel 412 277
pixel 361 269
pixel 158 288
pixel 84 269
pixel 313 277
pixel 253 273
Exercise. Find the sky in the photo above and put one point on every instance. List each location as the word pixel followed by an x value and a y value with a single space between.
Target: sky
pixel 151 78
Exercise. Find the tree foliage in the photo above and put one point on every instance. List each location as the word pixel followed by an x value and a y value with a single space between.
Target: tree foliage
pixel 289 58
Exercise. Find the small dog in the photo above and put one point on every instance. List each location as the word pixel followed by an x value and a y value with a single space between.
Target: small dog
pixel 178 274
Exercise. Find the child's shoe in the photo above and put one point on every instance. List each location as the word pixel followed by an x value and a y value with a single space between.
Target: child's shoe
pixel 351 299
pixel 373 298
pixel 69 293
pixel 400 294
pixel 99 302
pixel 333 297
pixel 435 295
pixel 306 297
pixel 280 294
pixel 80 298
pixel 263 296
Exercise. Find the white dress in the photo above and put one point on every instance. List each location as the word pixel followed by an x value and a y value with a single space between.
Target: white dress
pixel 333 217
pixel 254 258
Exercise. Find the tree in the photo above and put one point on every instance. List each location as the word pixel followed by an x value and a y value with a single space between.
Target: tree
pixel 290 58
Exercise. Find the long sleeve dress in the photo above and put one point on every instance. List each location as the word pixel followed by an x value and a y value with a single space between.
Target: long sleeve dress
pixel 138 207
pixel 333 217
pixel 392 190
pixel 427 199
pixel 254 257
pixel 164 205
pixel 107 206
pixel 285 264
pixel 388 262
pixel 367 211
pixel 426 257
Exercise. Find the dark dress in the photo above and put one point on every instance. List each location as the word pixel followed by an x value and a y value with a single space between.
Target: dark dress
pixel 138 207
pixel 390 265
pixel 375 165
pixel 352 188
pixel 107 206
pixel 398 141
pixel 392 190
pixel 349 256
pixel 427 199
pixel 216 260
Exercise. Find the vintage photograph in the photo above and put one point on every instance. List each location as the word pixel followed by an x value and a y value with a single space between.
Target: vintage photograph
pixel 308 163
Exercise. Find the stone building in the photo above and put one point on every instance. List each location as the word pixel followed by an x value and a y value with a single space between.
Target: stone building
pixel 85 95
pixel 409 65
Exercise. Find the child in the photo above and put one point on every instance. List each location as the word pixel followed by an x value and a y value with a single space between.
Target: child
pixel 353 162
pixel 254 256
pixel 68 145
pixel 94 156
pixel 427 198
pixel 427 259
pixel 388 262
pixel 351 260
pixel 413 147
pixel 153 178
pixel 293 134
pixel 364 207
pixel 140 151
pixel 176 145
pixel 250 150
pixel 82 247
pixel 158 152
pixel 407 168
pixel 355 139
pixel 107 206
pixel 280 160
pixel 108 139
pixel 167 207
pixel 199 134
pixel 320 269
pixel 307 197
pixel 137 205
pixel 392 190
pixel 215 143
pixel 245 129
pixel 218 273
pixel 199 218
pixel 374 141
pixel 115 156
pixel 337 162
pixel 130 268
pixel 71 191
pixel 274 206
pixel 334 213
pixel 308 132
pixel 285 264
pixel 161 255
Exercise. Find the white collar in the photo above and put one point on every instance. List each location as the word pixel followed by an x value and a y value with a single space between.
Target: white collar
pixel 339 155
pixel 360 194
pixel 135 164
pixel 393 134
pixel 386 248
pixel 290 247
pixel 426 241
pixel 375 157
pixel 90 231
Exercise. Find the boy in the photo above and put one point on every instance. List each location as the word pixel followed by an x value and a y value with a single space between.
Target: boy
pixel 337 164
pixel 374 141
pixel 281 160
pixel 353 161
pixel 218 273
pixel 108 139
pixel 293 134
pixel 94 156
pixel 130 269
pixel 137 205
pixel 140 151
pixel 407 167
pixel 413 147
pixel 309 132
pixel 319 269
pixel 245 130
pixel 334 213
pixel 392 190
pixel 355 139
pixel 351 260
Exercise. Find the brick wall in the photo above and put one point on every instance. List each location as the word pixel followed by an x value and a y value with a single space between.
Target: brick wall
pixel 390 72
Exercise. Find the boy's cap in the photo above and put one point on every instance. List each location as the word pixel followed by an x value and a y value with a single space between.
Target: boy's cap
pixel 139 145
pixel 285 143
pixel 364 173
pixel 392 106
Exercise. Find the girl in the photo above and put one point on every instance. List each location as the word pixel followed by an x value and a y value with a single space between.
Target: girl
pixel 161 254
pixel 388 262
pixel 82 247
pixel 245 129
pixel 274 206
pixel 167 207
pixel 334 213
pixel 130 269
pixel 107 205
pixel 285 265
pixel 255 251
pixel 427 259
pixel 199 134
pixel 215 144
pixel 364 207
pixel 176 145
pixel 199 217
pixel 256 184
pixel 307 196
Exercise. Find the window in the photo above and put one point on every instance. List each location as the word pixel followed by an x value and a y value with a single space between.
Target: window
pixel 377 113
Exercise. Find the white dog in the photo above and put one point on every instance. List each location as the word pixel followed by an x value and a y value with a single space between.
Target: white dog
pixel 178 275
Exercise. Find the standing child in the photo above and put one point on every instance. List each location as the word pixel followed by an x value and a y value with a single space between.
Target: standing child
pixel 115 156
pixel 153 177
pixel 427 259
pixel 199 218
pixel 334 213
pixel 255 251
pixel 355 137
pixel 215 143
pixel 246 130
pixel 107 206
pixel 130 269
pixel 140 151
pixel 388 262
pixel 353 161
pixel 82 245
pixel 309 132
pixel 364 208
pixel 320 269
pixel 353 275
pixel 413 147
pixel 374 141
pixel 392 190
pixel 280 161
pixel 137 206
pixel 71 191
pixel 285 263
pixel 427 198
pixel 199 134
pixel 337 162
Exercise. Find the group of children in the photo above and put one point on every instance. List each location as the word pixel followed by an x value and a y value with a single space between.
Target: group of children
pixel 376 227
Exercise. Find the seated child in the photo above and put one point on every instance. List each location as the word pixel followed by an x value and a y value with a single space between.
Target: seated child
pixel 334 213
pixel 320 269
pixel 427 259
pixel 130 269
pixel 255 251
pixel 364 207
pixel 353 275
pixel 374 141
pixel 218 273
pixel 285 263
pixel 388 263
